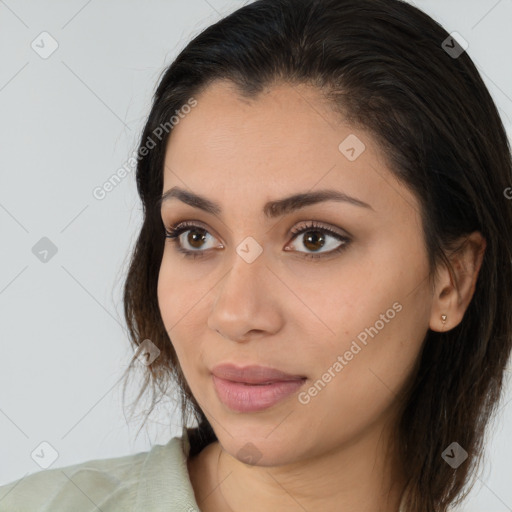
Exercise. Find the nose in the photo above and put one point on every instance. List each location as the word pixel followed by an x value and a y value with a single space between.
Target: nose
pixel 246 303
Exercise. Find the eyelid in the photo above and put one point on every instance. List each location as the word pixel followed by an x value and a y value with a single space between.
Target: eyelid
pixel 174 232
pixel 190 224
pixel 315 224
pixel 299 225
pixel 343 239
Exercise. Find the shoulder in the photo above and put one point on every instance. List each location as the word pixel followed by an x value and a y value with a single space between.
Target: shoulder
pixel 127 483
pixel 80 485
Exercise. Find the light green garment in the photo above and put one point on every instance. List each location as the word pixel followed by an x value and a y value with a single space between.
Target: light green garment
pixel 152 481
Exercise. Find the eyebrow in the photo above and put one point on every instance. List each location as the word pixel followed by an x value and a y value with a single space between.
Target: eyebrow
pixel 271 209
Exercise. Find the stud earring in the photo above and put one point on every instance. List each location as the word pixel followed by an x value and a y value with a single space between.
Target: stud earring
pixel 443 318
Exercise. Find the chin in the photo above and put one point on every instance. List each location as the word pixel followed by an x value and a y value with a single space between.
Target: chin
pixel 261 451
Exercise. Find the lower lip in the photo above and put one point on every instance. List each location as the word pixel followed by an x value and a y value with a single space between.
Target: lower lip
pixel 249 398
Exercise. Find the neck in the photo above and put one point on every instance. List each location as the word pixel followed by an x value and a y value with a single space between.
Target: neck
pixel 354 476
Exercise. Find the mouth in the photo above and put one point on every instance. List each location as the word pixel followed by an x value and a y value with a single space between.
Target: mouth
pixel 253 388
pixel 254 374
pixel 259 384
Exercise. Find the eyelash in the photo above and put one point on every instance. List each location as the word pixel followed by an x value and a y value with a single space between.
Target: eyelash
pixel 173 233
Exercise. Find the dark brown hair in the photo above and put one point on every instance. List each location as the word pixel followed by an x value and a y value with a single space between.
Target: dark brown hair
pixel 384 67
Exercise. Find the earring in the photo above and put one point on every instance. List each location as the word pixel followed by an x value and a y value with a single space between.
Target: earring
pixel 443 318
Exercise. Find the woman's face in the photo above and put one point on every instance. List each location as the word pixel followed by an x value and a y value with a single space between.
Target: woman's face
pixel 346 325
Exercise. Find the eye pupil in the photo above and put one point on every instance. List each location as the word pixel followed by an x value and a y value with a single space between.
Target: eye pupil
pixel 313 238
pixel 196 236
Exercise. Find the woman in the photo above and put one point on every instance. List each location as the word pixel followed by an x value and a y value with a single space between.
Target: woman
pixel 324 269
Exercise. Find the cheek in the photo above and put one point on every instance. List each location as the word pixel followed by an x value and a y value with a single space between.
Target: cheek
pixel 173 302
pixel 166 292
pixel 357 383
pixel 182 302
pixel 178 294
pixel 378 317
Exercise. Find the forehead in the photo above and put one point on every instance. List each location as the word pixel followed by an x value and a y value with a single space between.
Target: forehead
pixel 283 124
pixel 225 124
pixel 285 140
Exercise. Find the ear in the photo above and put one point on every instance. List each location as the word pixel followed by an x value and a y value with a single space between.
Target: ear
pixel 453 292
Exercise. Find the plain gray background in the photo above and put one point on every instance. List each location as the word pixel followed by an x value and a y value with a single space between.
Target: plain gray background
pixel 67 123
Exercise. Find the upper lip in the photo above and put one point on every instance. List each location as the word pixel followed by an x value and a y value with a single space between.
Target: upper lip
pixel 254 374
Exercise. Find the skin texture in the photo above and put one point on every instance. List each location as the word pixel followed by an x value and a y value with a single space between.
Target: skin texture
pixel 293 313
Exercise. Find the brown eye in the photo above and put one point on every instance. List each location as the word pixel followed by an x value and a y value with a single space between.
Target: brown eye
pixel 315 238
pixel 196 237
pixel 191 239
